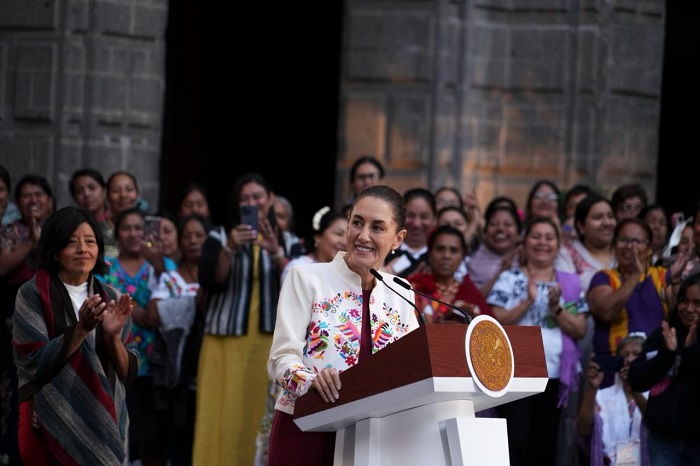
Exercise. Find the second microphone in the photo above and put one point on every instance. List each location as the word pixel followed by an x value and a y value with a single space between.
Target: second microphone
pixel 474 308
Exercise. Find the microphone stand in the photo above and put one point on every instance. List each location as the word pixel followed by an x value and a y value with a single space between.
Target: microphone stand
pixel 408 286
pixel 421 317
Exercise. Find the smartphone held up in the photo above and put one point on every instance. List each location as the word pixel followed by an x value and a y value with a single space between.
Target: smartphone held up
pixel 249 216
pixel 152 229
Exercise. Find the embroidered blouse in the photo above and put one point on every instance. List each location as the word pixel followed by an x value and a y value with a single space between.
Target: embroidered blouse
pixel 319 324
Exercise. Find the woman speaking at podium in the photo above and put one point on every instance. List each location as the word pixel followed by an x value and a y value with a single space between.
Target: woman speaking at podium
pixel 333 315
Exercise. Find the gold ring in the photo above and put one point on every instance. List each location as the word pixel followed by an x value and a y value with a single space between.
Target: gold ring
pixel 148 244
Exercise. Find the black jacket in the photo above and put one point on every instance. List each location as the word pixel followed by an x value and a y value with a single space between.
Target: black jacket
pixel 673 381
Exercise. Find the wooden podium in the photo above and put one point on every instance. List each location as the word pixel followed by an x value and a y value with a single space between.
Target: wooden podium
pixel 414 402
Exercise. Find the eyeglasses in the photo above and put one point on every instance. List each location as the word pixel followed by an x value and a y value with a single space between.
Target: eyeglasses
pixel 636 241
pixel 631 207
pixel 367 176
pixel 542 196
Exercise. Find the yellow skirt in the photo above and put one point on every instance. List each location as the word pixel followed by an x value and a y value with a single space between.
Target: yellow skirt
pixel 232 387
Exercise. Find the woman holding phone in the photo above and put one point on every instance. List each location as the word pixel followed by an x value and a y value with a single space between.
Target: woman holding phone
pixel 242 277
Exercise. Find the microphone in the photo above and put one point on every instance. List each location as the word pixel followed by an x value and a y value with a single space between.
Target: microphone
pixel 421 317
pixel 408 286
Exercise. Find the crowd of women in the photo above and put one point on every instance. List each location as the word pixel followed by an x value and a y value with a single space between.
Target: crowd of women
pixel 134 335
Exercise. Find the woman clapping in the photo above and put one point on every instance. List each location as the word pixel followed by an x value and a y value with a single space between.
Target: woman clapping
pixel 538 294
pixel 74 351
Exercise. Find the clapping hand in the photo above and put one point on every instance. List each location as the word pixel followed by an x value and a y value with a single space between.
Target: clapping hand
pixel 90 313
pixel 669 334
pixel 679 265
pixel 34 229
pixel 116 315
pixel 553 297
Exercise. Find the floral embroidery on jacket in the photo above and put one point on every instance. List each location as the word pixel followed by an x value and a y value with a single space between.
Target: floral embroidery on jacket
pixel 333 337
pixel 318 339
pixel 297 380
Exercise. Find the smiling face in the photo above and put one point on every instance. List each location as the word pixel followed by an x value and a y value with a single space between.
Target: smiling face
pixel 689 308
pixel 371 235
pixel 89 195
pixel 332 240
pixel 34 202
pixel 420 221
pixel 541 244
pixel 632 244
pixel 501 232
pixel 77 259
pixel 544 202
pixel 253 193
pixel 122 193
pixel 687 241
pixel 445 255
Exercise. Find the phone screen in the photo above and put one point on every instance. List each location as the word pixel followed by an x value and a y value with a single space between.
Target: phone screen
pixel 249 216
pixel 152 228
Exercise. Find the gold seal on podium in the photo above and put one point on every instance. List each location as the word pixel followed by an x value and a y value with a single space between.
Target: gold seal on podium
pixel 489 355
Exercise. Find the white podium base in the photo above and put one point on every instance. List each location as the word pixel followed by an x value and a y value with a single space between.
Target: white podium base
pixel 445 433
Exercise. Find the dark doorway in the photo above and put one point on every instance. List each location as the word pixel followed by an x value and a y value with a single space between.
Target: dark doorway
pixel 250 89
pixel 253 87
pixel 677 185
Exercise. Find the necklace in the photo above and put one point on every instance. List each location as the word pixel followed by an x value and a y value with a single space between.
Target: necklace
pixel 448 292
